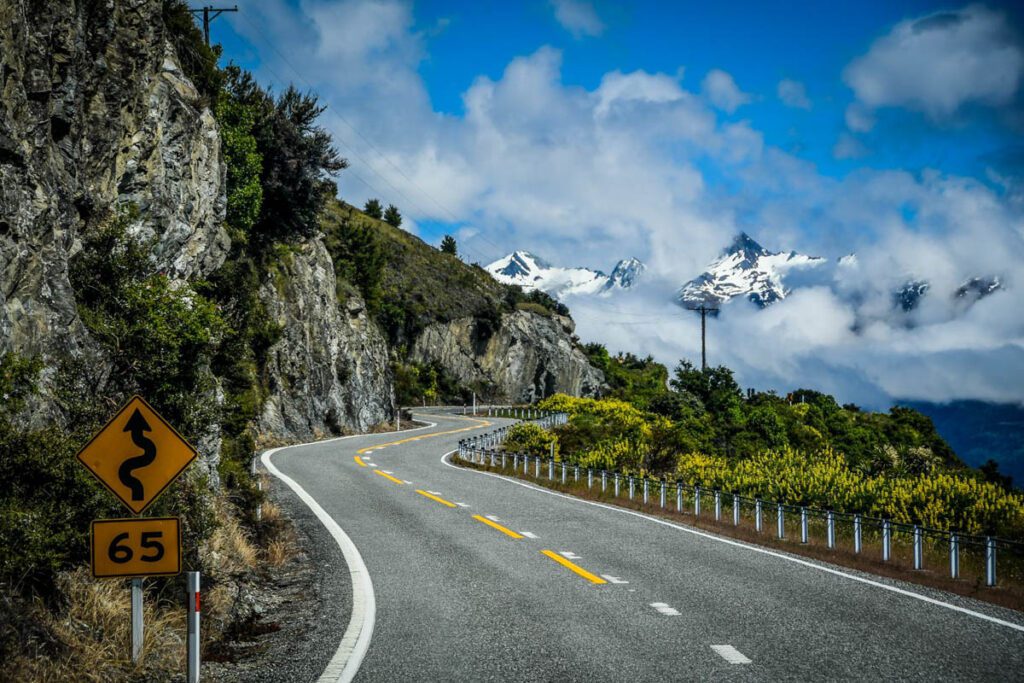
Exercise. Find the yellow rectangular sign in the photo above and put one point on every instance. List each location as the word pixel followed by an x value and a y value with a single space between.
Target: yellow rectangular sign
pixel 137 455
pixel 136 547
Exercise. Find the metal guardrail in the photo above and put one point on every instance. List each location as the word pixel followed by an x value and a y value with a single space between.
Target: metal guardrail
pixel 692 499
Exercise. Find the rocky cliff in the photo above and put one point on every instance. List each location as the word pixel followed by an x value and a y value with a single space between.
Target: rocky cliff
pixel 329 372
pixel 528 357
pixel 94 112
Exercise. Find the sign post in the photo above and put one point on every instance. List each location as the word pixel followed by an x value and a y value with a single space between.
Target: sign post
pixel 136 456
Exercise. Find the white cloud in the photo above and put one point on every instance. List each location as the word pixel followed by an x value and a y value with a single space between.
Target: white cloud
pixel 793 94
pixel 722 91
pixel 939 63
pixel 859 118
pixel 588 176
pixel 848 147
pixel 578 17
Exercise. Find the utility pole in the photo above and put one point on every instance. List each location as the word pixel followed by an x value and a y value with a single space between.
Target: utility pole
pixel 210 13
pixel 704 310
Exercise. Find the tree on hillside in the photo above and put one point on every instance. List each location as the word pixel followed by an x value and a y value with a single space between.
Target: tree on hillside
pixel 373 209
pixel 448 245
pixel 392 217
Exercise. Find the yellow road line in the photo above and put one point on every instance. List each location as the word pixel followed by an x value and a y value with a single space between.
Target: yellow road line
pixel 480 423
pixel 431 496
pixel 573 567
pixel 359 461
pixel 388 476
pixel 495 525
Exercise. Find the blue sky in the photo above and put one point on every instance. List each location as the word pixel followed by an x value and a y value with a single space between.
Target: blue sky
pixel 592 130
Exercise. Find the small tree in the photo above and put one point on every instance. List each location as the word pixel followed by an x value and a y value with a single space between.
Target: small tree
pixel 373 209
pixel 392 217
pixel 448 245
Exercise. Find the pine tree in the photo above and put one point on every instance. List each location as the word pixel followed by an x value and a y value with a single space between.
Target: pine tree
pixel 373 209
pixel 392 217
pixel 448 245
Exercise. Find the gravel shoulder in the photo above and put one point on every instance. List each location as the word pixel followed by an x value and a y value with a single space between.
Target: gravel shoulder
pixel 303 607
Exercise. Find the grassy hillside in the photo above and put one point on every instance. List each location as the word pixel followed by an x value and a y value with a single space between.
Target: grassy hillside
pixel 409 284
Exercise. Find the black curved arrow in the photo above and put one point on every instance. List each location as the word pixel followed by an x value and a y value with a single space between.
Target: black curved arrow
pixel 137 425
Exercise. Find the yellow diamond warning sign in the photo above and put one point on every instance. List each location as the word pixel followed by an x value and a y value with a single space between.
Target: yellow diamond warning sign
pixel 137 455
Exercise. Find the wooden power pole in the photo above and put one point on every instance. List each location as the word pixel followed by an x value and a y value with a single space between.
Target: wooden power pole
pixel 210 13
pixel 704 310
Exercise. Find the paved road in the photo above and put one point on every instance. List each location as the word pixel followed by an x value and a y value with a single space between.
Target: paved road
pixel 460 599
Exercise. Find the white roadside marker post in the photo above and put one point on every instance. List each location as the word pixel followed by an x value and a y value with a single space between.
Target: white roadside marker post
pixel 136 620
pixel 192 600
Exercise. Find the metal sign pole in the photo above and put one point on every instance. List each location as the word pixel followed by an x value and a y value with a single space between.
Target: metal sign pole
pixel 136 620
pixel 192 600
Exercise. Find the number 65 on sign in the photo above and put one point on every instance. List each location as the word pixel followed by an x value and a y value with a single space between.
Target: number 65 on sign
pixel 136 547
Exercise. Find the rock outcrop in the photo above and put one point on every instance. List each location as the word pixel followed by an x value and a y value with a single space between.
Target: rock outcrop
pixel 528 357
pixel 95 112
pixel 329 372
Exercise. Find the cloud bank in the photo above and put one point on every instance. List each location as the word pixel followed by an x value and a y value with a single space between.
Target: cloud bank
pixel 641 164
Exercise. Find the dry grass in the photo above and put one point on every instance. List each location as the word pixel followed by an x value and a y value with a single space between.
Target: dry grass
pixel 93 633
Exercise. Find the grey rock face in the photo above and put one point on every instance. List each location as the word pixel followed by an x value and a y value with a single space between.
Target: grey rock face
pixel 95 112
pixel 329 372
pixel 528 358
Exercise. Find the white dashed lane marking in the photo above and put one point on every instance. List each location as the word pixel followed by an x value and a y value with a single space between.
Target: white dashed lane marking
pixel 666 610
pixel 569 555
pixel 492 518
pixel 528 534
pixel 612 579
pixel 730 654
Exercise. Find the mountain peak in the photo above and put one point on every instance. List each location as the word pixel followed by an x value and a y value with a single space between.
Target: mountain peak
pixel 745 243
pixel 531 272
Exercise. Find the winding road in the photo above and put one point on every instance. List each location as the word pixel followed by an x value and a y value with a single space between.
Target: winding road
pixel 464 575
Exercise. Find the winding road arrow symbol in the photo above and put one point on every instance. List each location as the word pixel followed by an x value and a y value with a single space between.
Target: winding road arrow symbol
pixel 138 426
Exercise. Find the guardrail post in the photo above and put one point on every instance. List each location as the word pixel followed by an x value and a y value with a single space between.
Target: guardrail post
pixel 830 533
pixel 604 481
pixel 718 505
pixel 576 474
pixel 515 462
pixel 664 484
pixel 886 540
pixel 781 521
pixel 590 478
pixel 503 460
pixel 758 515
pixel 551 469
pixel 631 485
pixel 645 490
pixel 735 509
pixel 696 501
pixel 857 538
pixel 192 627
pixel 536 467
pixel 679 496
pixel 136 620
pixel 563 472
pixel 918 549
pixel 492 458
pixel 990 561
pixel 954 556
pixel 616 475
pixel 803 524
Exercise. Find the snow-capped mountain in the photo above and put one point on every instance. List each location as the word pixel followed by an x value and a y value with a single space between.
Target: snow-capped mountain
pixel 971 291
pixel 532 272
pixel 745 269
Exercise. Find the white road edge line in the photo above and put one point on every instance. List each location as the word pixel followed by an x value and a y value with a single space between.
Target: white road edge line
pixel 753 548
pixel 356 640
pixel 731 654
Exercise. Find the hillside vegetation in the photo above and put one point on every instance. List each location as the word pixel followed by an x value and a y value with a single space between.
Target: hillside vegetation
pixel 801 449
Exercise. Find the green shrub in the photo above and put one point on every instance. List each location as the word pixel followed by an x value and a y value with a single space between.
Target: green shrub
pixel 526 437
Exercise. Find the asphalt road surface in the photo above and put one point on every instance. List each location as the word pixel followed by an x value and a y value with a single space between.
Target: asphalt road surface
pixel 478 578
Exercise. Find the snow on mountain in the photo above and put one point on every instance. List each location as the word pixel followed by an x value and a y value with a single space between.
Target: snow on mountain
pixel 972 290
pixel 745 269
pixel 532 272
